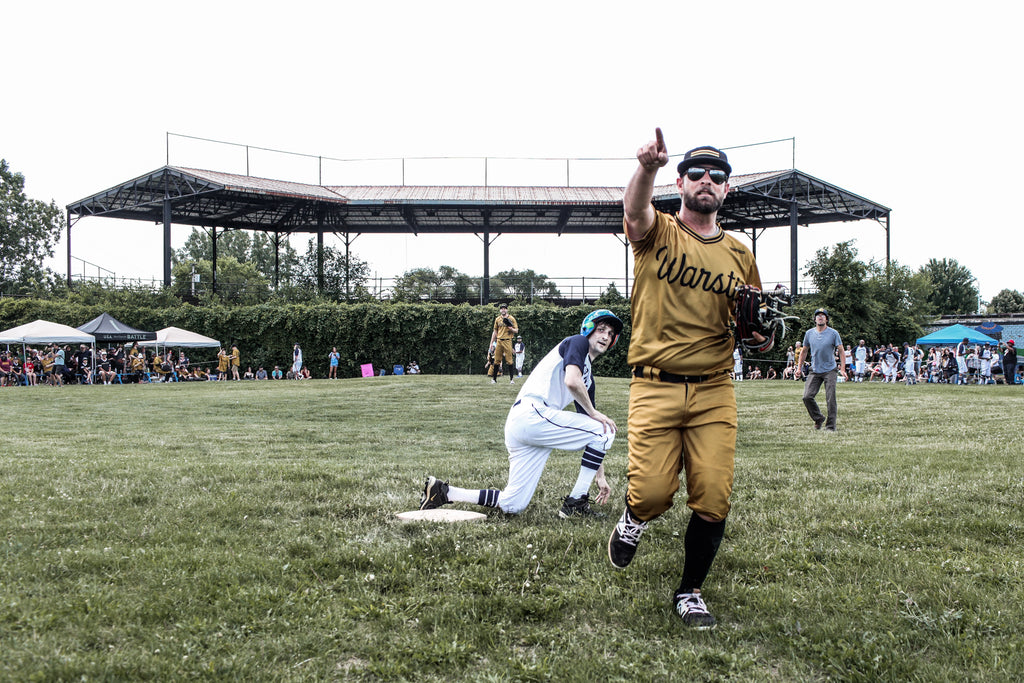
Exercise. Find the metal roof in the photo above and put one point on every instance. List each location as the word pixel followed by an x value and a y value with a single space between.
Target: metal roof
pixel 212 199
pixel 231 201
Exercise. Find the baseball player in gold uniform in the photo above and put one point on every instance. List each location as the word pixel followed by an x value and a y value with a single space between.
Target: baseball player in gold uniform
pixel 236 360
pixel 504 331
pixel 682 409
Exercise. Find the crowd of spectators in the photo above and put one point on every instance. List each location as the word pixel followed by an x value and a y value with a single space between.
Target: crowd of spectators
pixel 57 365
pixel 910 364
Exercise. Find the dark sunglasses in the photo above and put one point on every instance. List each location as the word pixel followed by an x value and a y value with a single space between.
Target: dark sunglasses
pixel 717 175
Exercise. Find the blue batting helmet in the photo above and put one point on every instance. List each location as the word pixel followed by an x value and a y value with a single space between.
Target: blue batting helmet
pixel 601 315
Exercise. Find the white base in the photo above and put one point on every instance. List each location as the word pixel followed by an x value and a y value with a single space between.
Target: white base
pixel 440 515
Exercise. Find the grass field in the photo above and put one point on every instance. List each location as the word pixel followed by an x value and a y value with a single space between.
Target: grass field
pixel 245 531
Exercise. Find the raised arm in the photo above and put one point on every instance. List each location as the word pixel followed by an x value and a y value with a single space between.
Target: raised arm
pixel 636 202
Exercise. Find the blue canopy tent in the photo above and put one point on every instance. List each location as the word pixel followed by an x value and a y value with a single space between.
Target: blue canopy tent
pixel 954 334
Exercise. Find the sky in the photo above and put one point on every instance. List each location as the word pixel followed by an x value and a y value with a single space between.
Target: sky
pixel 911 105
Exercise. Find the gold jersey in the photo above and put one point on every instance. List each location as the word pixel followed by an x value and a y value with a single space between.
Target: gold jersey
pixel 504 332
pixel 683 293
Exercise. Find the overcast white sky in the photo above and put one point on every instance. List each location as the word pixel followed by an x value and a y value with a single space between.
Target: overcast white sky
pixel 913 105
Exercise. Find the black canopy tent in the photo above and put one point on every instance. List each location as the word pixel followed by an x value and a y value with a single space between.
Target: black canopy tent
pixel 108 329
pixel 224 201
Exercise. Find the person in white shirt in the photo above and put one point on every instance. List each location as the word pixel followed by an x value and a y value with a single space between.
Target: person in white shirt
pixel 861 357
pixel 537 424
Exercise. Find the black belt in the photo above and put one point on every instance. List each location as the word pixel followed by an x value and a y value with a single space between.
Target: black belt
pixel 662 376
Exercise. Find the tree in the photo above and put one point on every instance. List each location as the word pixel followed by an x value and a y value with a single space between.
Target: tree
pixel 842 284
pixel 610 296
pixel 256 248
pixel 522 285
pixel 237 283
pixel 899 304
pixel 445 284
pixel 952 287
pixel 345 277
pixel 1007 301
pixel 866 301
pixel 29 231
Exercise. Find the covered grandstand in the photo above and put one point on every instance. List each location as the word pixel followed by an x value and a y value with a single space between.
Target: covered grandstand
pixel 219 202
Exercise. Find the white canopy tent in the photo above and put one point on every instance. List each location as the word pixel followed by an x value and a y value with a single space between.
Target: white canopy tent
pixel 45 332
pixel 175 336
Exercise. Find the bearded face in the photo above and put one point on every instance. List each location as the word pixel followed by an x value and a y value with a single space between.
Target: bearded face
pixel 702 200
pixel 702 195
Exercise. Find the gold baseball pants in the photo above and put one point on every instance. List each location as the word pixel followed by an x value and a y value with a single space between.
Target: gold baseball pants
pixel 681 427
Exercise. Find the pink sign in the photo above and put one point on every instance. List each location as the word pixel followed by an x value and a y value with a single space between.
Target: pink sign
pixel 367 369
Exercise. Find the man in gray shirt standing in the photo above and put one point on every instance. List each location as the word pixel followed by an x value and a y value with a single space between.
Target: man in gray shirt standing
pixel 826 349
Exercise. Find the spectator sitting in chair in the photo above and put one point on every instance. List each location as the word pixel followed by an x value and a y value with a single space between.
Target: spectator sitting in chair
pixel 157 365
pixel 997 368
pixel 105 372
pixel 83 363
pixel 277 374
pixel 17 376
pixel 137 365
pixel 261 373
pixel 30 372
pixel 771 374
pixel 5 369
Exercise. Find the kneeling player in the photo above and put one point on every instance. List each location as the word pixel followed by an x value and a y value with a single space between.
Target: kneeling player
pixel 536 425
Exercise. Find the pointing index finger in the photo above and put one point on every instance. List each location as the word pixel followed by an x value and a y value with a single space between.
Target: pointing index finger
pixel 659 138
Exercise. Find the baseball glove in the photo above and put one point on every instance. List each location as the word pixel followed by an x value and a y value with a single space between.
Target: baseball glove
pixel 758 317
pixel 508 323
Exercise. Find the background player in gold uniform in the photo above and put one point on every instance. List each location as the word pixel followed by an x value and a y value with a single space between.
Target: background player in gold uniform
pixel 236 360
pixel 682 409
pixel 504 330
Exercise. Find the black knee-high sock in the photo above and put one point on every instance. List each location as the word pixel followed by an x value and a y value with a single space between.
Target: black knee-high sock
pixel 702 541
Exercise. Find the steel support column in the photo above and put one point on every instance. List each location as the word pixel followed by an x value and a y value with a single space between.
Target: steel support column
pixel 320 253
pixel 69 249
pixel 887 250
pixel 794 214
pixel 277 260
pixel 167 241
pixel 213 263
pixel 485 290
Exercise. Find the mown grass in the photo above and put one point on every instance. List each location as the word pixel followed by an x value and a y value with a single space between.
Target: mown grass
pixel 245 531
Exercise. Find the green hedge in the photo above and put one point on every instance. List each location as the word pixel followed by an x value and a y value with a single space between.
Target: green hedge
pixel 444 339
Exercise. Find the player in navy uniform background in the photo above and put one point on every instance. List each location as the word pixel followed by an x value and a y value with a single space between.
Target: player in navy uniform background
pixel 537 424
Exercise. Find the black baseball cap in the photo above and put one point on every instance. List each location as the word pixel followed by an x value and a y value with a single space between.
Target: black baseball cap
pixel 698 156
pixel 823 312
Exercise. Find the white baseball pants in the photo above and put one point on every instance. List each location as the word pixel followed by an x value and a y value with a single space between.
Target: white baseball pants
pixel 532 431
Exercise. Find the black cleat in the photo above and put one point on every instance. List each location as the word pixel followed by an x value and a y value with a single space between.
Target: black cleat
pixel 435 494
pixel 694 612
pixel 625 536
pixel 578 507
